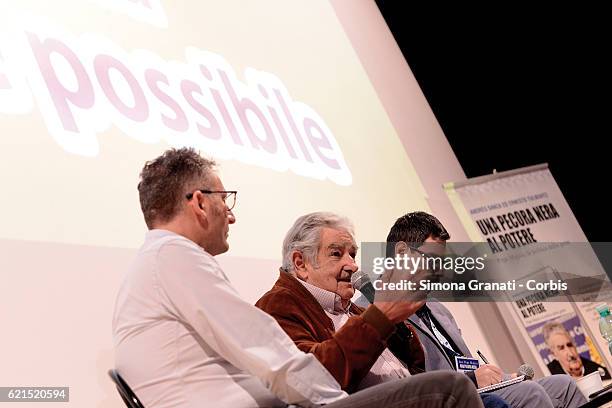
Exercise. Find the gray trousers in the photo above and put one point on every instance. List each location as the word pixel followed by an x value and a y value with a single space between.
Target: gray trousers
pixel 556 391
pixel 434 389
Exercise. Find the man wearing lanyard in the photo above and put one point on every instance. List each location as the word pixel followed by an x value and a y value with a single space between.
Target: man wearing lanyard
pixel 442 337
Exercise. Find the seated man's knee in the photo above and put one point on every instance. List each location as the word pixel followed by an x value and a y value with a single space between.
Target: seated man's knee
pixel 533 390
pixel 561 380
pixel 458 380
pixel 558 383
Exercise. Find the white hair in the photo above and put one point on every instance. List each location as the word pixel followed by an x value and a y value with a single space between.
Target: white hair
pixel 549 328
pixel 305 236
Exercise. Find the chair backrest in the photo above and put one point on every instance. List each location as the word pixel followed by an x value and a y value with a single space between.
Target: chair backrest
pixel 127 395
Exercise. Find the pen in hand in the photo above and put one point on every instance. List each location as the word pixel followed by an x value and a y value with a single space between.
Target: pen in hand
pixel 482 357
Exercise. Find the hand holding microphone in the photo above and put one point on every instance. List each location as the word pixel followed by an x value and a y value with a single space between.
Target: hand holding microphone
pixel 396 308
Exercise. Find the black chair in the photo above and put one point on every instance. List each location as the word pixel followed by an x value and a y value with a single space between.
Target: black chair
pixel 127 395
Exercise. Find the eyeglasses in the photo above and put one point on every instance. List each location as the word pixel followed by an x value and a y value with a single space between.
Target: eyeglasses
pixel 432 259
pixel 229 199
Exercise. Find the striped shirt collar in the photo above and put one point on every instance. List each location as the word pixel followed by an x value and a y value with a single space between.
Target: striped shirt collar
pixel 330 302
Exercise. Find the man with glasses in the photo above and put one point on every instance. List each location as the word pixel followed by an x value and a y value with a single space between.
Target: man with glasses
pixel 423 235
pixel 183 336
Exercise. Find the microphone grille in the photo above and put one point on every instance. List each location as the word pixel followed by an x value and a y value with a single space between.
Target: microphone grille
pixel 358 279
pixel 527 371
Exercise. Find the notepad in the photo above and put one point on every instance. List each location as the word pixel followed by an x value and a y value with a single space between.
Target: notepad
pixel 502 384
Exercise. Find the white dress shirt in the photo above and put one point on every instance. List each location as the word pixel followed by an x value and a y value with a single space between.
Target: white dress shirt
pixel 184 337
pixel 387 367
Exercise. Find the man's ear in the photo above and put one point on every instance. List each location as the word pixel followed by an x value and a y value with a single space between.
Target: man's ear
pixel 299 265
pixel 197 208
pixel 401 248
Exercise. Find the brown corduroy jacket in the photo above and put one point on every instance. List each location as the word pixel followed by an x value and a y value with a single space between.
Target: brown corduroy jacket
pixel 349 353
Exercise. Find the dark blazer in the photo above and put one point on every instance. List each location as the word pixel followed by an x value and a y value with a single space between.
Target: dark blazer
pixel 435 358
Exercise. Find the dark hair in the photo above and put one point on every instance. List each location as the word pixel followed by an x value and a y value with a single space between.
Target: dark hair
pixel 415 227
pixel 166 180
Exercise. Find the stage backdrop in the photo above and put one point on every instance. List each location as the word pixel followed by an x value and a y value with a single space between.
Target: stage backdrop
pixel 307 106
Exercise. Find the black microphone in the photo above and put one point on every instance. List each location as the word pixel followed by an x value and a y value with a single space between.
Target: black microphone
pixel 361 281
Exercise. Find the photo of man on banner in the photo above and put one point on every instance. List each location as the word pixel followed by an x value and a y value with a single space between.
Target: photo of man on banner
pixel 563 356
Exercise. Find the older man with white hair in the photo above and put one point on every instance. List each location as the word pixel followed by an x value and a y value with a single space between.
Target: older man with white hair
pixel 567 360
